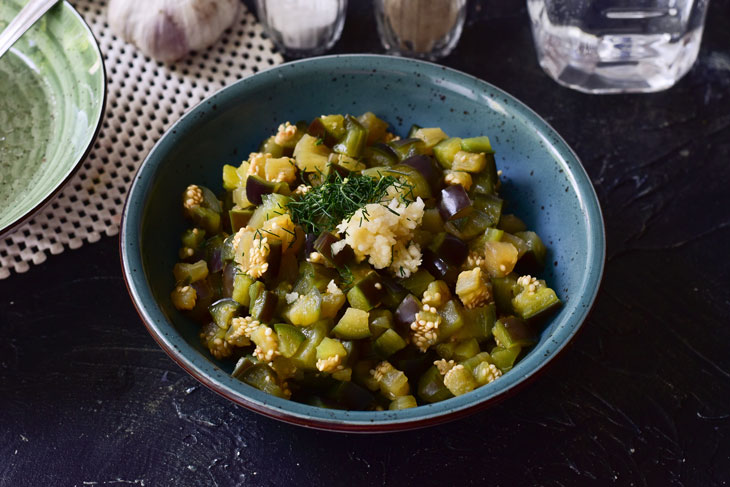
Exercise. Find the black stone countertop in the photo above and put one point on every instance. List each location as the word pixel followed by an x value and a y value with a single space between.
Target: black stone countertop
pixel 641 398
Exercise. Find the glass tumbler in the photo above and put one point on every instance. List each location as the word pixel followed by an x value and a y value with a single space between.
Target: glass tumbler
pixel 617 46
pixel 428 29
pixel 302 27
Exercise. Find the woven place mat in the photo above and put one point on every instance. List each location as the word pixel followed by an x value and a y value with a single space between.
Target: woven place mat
pixel 144 98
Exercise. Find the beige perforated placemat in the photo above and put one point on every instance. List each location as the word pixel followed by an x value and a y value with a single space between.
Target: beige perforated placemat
pixel 144 98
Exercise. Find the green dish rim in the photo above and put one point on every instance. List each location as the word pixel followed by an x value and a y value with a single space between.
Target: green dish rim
pixel 13 226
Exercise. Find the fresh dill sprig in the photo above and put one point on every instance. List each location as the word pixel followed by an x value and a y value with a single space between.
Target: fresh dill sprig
pixel 337 198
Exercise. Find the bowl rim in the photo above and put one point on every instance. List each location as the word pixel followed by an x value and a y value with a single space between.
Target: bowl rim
pixel 365 421
pixel 40 205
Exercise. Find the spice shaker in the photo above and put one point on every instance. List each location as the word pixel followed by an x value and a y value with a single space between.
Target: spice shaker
pixel 428 29
pixel 302 27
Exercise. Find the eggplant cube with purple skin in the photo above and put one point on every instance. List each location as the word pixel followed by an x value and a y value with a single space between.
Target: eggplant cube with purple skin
pixel 455 203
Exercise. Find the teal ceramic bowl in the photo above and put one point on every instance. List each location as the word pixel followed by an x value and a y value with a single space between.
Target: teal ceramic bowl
pixel 543 181
pixel 52 96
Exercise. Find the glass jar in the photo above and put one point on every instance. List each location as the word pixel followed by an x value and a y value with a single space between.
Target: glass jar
pixel 428 29
pixel 302 27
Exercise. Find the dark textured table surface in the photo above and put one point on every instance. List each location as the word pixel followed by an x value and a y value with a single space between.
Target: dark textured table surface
pixel 641 398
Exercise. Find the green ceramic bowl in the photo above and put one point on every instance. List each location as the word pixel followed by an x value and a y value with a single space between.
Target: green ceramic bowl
pixel 52 96
pixel 543 181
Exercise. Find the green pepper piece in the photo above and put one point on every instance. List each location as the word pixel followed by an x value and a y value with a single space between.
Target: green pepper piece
pixel 486 181
pixel 403 402
pixel 262 302
pixel 473 362
pixel 239 218
pixel 534 257
pixel 306 355
pixel 532 304
pixel 478 323
pixel 241 285
pixel 352 396
pixel 188 273
pixel 379 320
pixel 504 358
pixel 306 309
pixel 417 282
pixel 470 226
pixel 388 343
pixel 510 332
pixel 504 289
pixel 477 145
pixel 313 276
pixel 368 293
pixel 269 146
pixel 243 364
pixel 263 377
pixel 409 147
pixel 223 312
pixel 290 339
pixel 445 151
pixel 355 138
pixel 353 325
pixel 431 386
pixel 334 125
pixel 511 223
pixel 491 205
pixel 452 315
pixel 193 237
pixel 375 127
pixel 466 349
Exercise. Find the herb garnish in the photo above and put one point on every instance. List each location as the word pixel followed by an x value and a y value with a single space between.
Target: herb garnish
pixel 337 198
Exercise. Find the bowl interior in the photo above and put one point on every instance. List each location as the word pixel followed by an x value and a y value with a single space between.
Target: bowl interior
pixel 51 102
pixel 543 182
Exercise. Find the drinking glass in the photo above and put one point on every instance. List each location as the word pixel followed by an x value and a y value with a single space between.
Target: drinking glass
pixel 428 29
pixel 617 46
pixel 302 27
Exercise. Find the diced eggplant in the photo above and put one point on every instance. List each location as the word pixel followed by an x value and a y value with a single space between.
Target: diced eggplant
pixel 213 252
pixel 405 314
pixel 262 302
pixel 426 167
pixel 318 130
pixel 323 245
pixel 239 218
pixel 437 266
pixel 452 249
pixel 534 259
pixel 256 187
pixel 417 282
pixel 367 293
pixel 455 203
pixel 394 292
pixel 406 148
pixel 352 396
pixel 381 154
pixel 309 240
pixel 274 260
pixel 229 276
pixel 470 226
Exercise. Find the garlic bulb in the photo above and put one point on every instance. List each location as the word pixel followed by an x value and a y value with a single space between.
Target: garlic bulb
pixel 167 30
